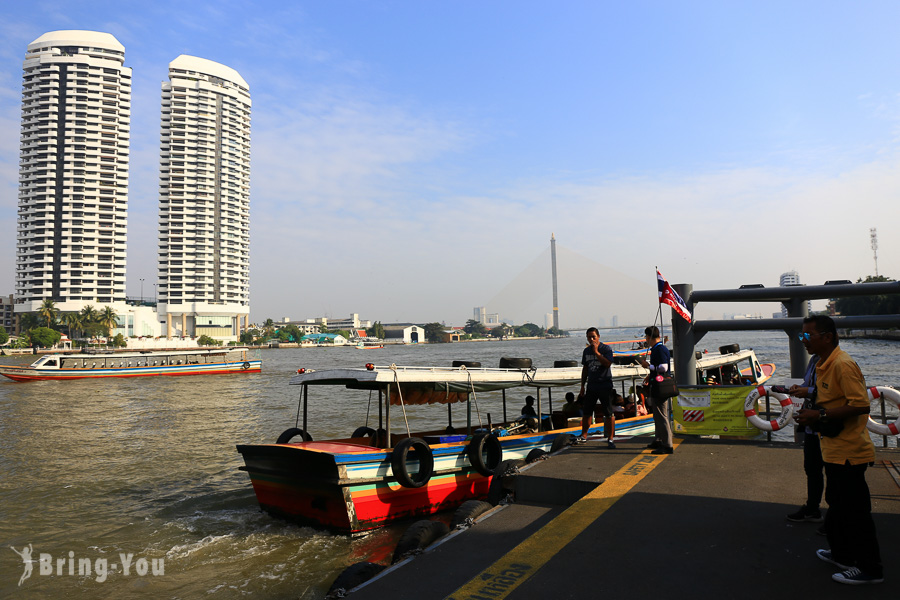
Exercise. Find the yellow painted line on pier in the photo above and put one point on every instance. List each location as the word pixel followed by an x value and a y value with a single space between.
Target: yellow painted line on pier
pixel 526 559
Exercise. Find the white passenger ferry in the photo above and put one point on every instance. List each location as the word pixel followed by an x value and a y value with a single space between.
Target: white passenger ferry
pixel 145 363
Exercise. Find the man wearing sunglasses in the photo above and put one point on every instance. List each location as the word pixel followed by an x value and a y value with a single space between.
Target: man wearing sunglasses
pixel 842 397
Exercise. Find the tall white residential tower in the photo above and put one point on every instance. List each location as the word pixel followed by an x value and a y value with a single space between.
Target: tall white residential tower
pixel 73 172
pixel 204 200
pixel 791 278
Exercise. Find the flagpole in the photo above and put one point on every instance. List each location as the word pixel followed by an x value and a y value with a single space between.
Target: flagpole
pixel 659 301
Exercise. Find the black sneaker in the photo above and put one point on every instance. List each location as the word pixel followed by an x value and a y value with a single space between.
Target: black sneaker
pixel 811 515
pixel 829 558
pixel 854 576
pixel 663 450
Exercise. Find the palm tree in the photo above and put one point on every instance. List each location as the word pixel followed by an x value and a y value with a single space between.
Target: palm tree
pixel 48 312
pixel 107 318
pixel 72 320
pixel 27 321
pixel 89 315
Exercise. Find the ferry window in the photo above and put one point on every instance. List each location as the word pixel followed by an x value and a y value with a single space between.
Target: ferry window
pixel 50 363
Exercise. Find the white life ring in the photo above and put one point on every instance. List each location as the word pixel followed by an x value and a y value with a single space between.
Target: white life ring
pixel 787 409
pixel 893 395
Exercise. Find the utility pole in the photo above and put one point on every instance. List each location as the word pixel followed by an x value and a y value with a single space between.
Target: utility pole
pixel 873 235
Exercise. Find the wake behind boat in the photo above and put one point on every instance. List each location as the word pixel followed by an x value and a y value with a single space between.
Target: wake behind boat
pixel 147 363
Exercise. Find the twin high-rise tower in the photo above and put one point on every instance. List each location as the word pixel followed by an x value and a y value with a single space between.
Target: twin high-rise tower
pixel 73 185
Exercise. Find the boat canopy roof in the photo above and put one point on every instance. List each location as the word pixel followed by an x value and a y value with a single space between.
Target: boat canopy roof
pixel 450 379
pixel 142 353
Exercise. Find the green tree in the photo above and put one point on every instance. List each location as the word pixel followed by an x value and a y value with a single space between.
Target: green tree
pixel 4 336
pixel 557 332
pixel 48 312
pixel 293 332
pixel 107 318
pixel 474 328
pixel 377 330
pixel 434 332
pixel 282 335
pixel 44 336
pixel 28 321
pixel 529 330
pixel 119 341
pixel 880 304
pixel 94 329
pixel 89 314
pixel 501 331
pixel 205 340
pixel 72 321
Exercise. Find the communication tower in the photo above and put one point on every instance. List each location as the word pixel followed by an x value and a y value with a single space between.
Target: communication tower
pixel 873 235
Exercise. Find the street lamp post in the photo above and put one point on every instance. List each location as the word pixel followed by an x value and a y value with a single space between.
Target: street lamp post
pixel 142 290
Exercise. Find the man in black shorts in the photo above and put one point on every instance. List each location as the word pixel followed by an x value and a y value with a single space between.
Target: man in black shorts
pixel 597 386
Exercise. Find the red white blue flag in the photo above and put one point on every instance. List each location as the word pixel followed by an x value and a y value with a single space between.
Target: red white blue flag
pixel 669 296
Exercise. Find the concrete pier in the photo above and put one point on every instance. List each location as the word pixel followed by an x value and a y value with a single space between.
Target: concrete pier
pixel 705 522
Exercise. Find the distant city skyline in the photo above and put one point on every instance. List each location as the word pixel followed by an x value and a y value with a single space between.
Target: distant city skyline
pixel 411 160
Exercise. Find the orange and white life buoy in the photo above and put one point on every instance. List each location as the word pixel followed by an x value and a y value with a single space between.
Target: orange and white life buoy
pixel 887 393
pixel 750 403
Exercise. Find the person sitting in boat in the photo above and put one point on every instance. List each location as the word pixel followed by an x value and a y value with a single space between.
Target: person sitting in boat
pixel 571 408
pixel 528 410
pixel 731 374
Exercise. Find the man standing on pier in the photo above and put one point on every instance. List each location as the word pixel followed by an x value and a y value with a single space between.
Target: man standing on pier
pixel 658 366
pixel 597 386
pixel 843 398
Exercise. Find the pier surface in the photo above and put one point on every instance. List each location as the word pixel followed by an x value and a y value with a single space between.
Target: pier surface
pixel 705 522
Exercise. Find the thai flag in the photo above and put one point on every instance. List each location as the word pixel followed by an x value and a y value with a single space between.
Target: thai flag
pixel 669 296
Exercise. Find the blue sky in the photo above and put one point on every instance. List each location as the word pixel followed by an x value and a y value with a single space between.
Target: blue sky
pixel 411 159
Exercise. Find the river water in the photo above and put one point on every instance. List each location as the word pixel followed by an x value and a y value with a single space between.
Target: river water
pixel 144 471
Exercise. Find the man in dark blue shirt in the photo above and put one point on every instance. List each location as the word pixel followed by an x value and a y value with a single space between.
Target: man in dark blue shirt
pixel 658 367
pixel 597 386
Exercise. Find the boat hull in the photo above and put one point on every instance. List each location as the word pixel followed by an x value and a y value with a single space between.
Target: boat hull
pixel 350 488
pixel 33 374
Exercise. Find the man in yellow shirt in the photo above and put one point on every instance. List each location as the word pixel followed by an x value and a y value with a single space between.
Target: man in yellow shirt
pixel 847 451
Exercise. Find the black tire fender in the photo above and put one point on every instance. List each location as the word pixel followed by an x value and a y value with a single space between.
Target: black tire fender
pixel 245 366
pixel 289 434
pixel 484 442
pixel 515 363
pixel 503 480
pixel 564 363
pixel 470 509
pixel 561 441
pixel 353 576
pixel 363 432
pixel 536 454
pixel 729 349
pixel 419 536
pixel 469 364
pixel 399 457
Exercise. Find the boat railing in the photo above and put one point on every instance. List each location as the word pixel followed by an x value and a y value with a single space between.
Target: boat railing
pixel 881 417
